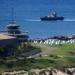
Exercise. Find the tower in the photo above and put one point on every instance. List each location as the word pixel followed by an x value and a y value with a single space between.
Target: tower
pixel 13 30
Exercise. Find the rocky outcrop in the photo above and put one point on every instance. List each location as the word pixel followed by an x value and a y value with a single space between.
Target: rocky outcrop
pixel 47 71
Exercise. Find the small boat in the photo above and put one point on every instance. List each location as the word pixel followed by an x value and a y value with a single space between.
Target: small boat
pixel 52 17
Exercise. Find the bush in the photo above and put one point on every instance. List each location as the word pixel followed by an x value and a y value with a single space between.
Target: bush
pixel 54 56
pixel 9 64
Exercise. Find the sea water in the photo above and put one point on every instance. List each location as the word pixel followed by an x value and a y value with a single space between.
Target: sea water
pixel 27 15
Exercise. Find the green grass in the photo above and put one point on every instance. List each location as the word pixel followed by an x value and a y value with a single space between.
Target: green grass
pixel 64 55
pixel 63 50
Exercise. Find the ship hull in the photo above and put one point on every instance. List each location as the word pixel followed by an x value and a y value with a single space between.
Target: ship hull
pixel 51 18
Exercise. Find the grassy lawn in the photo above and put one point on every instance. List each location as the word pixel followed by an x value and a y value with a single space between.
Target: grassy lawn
pixel 63 56
pixel 64 50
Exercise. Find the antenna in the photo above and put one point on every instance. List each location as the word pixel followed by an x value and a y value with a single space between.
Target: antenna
pixel 12 14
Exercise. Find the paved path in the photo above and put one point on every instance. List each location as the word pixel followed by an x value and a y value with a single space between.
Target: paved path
pixel 46 49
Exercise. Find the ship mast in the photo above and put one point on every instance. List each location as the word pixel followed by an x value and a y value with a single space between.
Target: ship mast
pixel 13 29
pixel 12 14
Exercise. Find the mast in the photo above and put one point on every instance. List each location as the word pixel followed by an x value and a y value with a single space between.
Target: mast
pixel 13 29
pixel 12 25
pixel 12 14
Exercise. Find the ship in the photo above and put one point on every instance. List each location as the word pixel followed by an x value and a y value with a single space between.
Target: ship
pixel 14 31
pixel 52 17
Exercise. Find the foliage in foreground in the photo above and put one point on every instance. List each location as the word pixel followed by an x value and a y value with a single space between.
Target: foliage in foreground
pixel 62 57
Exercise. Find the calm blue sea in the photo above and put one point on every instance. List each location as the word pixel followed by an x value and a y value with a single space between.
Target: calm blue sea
pixel 27 14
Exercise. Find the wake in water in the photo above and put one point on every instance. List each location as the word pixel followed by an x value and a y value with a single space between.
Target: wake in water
pixel 69 19
pixel 36 20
